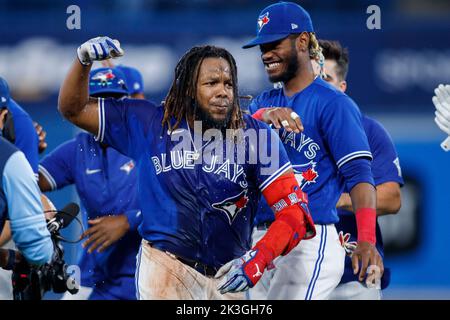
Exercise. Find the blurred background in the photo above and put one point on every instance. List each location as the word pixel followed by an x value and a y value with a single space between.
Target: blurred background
pixel 393 72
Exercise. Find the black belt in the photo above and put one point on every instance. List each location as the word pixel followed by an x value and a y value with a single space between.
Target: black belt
pixel 263 225
pixel 198 266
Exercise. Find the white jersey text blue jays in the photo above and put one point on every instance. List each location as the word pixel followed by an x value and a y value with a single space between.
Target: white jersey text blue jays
pixel 199 210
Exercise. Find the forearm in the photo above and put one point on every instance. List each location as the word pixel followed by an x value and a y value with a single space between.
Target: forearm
pixel 388 199
pixel 363 195
pixel 74 92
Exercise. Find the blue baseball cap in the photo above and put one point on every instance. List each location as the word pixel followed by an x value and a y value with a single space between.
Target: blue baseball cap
pixel 278 21
pixel 133 77
pixel 107 80
pixel 4 93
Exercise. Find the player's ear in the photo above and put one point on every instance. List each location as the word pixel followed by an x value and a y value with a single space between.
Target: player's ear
pixel 343 85
pixel 302 42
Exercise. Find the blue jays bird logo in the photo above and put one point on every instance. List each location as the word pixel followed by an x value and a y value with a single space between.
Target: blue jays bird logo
pixel 103 76
pixel 233 205
pixel 306 173
pixel 263 20
pixel 127 167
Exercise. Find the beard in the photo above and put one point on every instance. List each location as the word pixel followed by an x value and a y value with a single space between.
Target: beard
pixel 291 69
pixel 208 122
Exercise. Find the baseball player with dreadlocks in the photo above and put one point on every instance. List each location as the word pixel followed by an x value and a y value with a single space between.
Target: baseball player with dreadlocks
pixel 331 153
pixel 197 207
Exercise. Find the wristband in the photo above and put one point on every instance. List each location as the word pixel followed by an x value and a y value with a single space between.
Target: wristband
pixel 366 224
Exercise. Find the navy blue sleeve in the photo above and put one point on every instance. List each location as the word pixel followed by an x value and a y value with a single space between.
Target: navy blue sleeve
pixel 343 131
pixel 125 124
pixel 27 139
pixel 59 165
pixel 385 164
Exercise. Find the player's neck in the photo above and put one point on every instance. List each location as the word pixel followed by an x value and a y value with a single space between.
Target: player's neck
pixel 304 77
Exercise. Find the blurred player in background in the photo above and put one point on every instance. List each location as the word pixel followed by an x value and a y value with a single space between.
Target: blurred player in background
pixel 133 78
pixel 17 127
pixel 386 173
pixel 331 153
pixel 106 182
pixel 197 212
pixel 135 82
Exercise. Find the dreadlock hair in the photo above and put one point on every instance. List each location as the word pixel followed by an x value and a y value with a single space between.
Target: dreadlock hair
pixel 181 101
pixel 333 50
pixel 315 52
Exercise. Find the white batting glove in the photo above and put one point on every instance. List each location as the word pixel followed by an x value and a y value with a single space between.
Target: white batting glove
pixel 97 49
pixel 442 103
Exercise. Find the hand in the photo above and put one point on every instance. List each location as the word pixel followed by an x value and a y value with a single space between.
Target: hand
pixel 97 49
pixel 442 103
pixel 369 256
pixel 41 134
pixel 104 231
pixel 283 117
pixel 242 273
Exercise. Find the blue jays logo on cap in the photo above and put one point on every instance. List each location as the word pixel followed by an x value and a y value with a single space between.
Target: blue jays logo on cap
pixel 103 76
pixel 285 18
pixel 263 20
pixel 107 81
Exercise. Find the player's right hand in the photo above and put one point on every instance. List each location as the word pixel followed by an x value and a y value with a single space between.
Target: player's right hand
pixel 371 262
pixel 441 101
pixel 98 49
pixel 283 118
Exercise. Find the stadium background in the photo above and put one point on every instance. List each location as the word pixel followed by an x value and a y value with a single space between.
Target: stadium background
pixel 393 72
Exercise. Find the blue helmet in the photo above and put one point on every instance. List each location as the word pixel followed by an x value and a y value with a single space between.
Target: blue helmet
pixel 107 81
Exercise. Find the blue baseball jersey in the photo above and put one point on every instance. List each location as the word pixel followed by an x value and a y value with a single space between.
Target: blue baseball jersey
pixel 201 210
pixel 385 168
pixel 333 135
pixel 26 138
pixel 106 182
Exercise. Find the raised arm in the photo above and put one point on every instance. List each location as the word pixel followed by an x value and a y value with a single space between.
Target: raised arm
pixel 74 102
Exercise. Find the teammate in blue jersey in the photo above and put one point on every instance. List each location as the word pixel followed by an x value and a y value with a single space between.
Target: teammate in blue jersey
pixel 331 153
pixel 197 193
pixel 386 173
pixel 106 182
